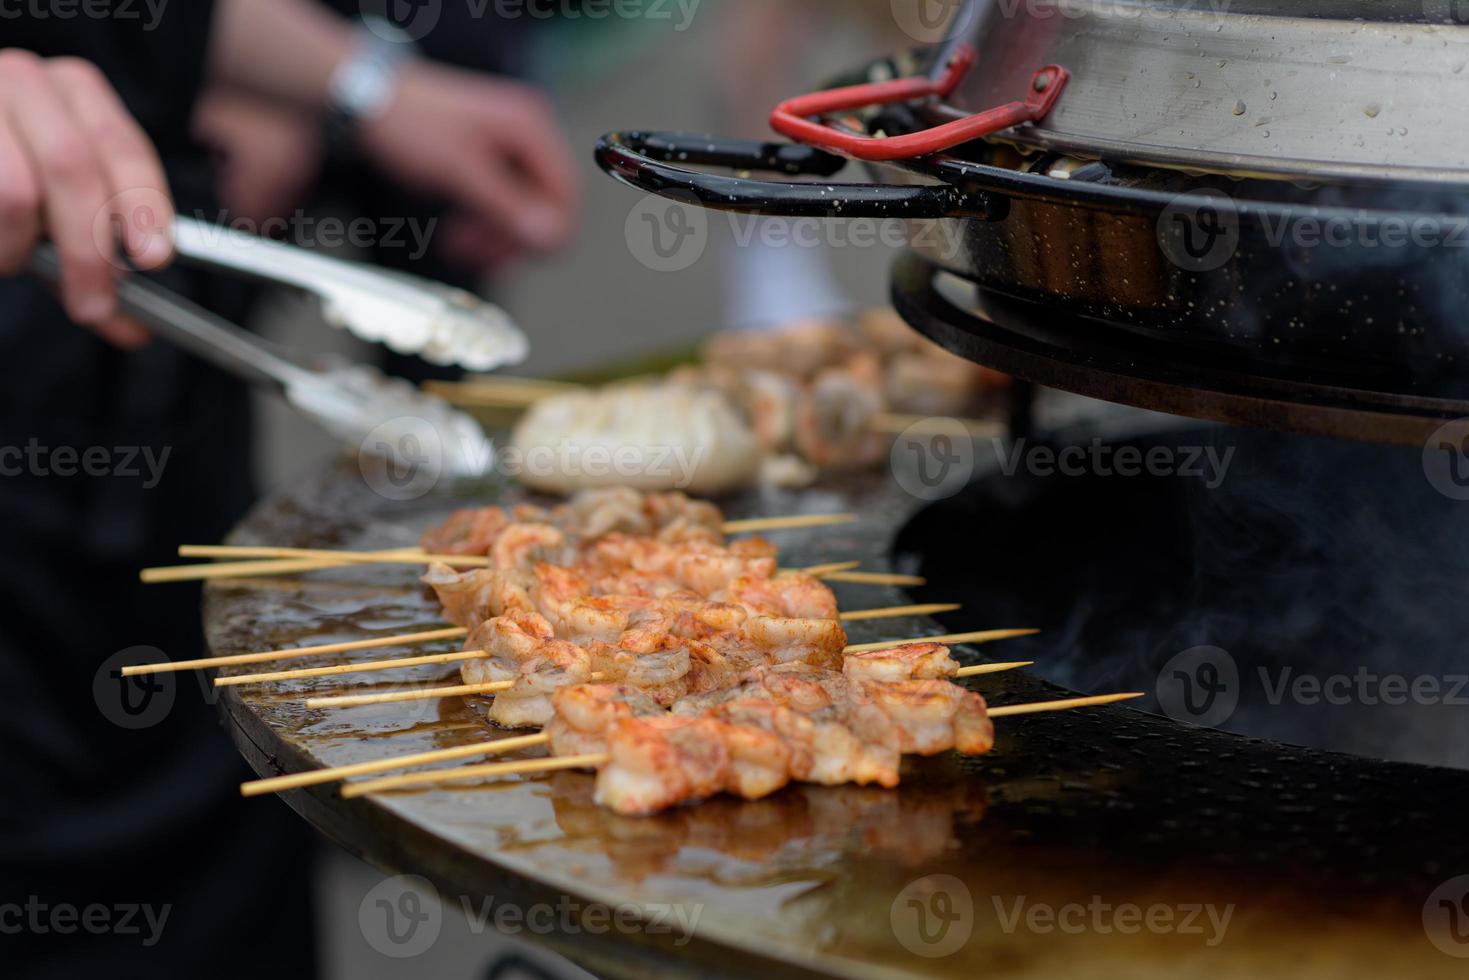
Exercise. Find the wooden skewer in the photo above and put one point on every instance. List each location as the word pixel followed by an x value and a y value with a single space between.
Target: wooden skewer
pixel 754 524
pixel 368 666
pixel 492 687
pixel 829 569
pixel 982 636
pixel 875 578
pixel 594 760
pixel 894 612
pixel 1041 707
pixel 277 561
pixel 980 669
pixel 365 667
pixel 325 554
pixel 425 694
pixel 589 761
pixel 386 641
pixel 316 777
pixel 278 784
pixel 268 656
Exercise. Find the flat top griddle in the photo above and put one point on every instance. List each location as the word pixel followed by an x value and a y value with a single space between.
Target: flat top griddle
pixel 1329 861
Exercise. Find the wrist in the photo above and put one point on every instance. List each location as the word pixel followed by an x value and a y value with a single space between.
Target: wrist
pixel 365 84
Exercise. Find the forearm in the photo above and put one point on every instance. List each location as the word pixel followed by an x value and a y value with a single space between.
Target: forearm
pixel 284 50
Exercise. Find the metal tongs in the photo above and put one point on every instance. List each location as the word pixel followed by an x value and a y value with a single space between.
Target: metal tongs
pixel 356 403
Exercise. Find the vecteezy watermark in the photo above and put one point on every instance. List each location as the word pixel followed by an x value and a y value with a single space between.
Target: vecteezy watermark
pixel 410 235
pixel 121 462
pixel 933 458
pixel 1203 686
pixel 1446 459
pixel 137 702
pixel 1200 686
pixel 413 20
pixel 671 234
pixel 41 918
pixel 667 234
pixel 1199 232
pixel 1205 463
pixel 1098 916
pixel 149 12
pixel 406 458
pixel 933 917
pixel 402 917
pixel 1446 917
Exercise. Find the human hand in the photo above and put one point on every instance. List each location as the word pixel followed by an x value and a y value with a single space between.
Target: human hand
pixel 492 148
pixel 269 155
pixel 77 169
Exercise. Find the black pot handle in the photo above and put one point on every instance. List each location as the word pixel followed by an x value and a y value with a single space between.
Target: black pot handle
pixel 646 161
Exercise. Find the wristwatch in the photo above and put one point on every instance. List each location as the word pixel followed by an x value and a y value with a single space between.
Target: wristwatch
pixel 363 85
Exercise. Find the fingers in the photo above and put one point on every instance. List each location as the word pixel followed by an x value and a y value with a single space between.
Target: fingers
pixel 20 204
pixel 139 210
pixel 75 168
pixel 74 189
pixel 528 186
pixel 538 148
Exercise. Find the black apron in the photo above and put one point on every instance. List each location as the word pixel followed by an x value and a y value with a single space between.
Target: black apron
pixel 120 807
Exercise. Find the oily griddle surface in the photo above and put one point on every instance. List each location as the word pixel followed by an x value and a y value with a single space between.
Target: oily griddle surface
pixel 1327 860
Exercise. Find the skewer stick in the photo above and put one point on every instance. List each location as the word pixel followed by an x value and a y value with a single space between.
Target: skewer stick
pixel 326 554
pixel 982 636
pixel 589 761
pixel 875 578
pixel 795 522
pixel 268 656
pixel 278 784
pixel 426 694
pixel 1041 707
pixel 827 570
pixel 365 667
pixel 594 760
pixel 920 425
pixel 894 612
pixel 461 690
pixel 277 561
pixel 394 663
pixel 981 669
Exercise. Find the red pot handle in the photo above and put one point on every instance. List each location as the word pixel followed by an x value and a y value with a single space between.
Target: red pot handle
pixel 790 118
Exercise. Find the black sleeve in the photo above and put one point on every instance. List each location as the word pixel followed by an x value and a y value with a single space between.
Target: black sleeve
pixel 153 53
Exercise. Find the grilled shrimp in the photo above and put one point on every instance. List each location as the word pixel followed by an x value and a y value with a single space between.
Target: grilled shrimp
pixel 467 598
pixel 510 641
pixel 584 712
pixel 521 546
pixel 466 532
pixel 792 594
pixel 818 642
pixel 769 402
pixel 528 703
pixel 795 731
pixel 658 762
pixel 911 662
pixel 836 415
pixel 679 510
pixel 660 670
pixel 595 513
pixel 759 761
pixel 933 716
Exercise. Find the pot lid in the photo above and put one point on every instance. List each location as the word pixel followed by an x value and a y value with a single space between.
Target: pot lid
pixel 1286 88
